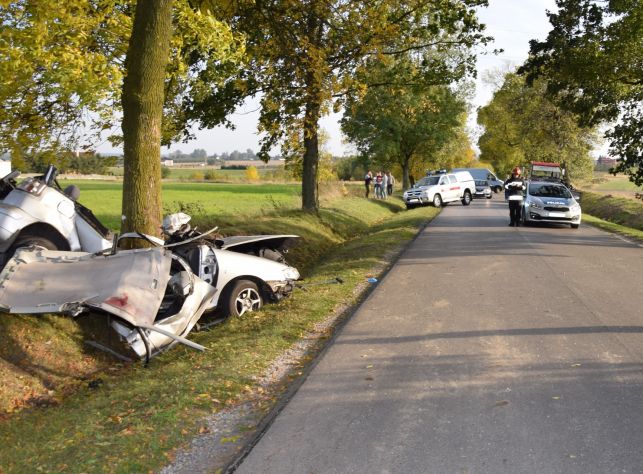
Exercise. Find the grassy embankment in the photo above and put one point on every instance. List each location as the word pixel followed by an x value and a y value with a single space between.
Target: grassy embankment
pixel 610 202
pixel 99 415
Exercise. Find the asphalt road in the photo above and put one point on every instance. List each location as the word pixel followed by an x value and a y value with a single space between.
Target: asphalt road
pixel 485 349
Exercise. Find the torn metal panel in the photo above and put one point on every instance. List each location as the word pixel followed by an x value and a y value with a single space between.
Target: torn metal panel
pixel 129 284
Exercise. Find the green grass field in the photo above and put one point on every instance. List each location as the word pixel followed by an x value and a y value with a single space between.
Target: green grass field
pixel 201 200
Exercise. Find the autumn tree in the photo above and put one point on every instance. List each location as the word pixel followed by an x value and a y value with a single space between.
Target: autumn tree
pixel 66 64
pixel 403 118
pixel 521 125
pixel 58 61
pixel 305 56
pixel 591 61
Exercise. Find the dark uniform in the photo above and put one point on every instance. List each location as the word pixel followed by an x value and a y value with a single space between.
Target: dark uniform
pixel 515 187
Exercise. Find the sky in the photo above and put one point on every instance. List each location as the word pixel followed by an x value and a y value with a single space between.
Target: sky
pixel 512 23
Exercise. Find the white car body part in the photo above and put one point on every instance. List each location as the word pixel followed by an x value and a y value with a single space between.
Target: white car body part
pixel 132 285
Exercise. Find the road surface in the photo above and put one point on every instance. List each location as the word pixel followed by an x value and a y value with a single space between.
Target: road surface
pixel 485 349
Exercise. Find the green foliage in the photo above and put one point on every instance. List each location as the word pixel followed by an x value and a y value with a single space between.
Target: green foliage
pixel 522 125
pixel 91 163
pixel 306 56
pixel 591 61
pixel 66 59
pixel 404 121
pixel 351 168
pixel 57 61
pixel 165 172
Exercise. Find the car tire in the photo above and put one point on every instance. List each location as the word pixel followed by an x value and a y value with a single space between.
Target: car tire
pixel 466 199
pixel 437 201
pixel 29 240
pixel 490 196
pixel 243 298
pixel 575 226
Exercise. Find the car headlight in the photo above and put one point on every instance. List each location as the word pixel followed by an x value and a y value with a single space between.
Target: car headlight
pixel 535 205
pixel 291 273
pixel 575 208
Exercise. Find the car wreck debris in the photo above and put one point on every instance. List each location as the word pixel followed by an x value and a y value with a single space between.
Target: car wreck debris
pixel 53 245
pixel 154 298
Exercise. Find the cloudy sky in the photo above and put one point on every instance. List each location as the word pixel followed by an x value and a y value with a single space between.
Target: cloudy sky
pixel 511 22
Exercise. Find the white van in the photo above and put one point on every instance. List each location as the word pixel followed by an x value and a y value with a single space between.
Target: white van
pixel 441 188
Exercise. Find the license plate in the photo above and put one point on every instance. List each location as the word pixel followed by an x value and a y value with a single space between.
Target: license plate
pixel 413 200
pixel 556 214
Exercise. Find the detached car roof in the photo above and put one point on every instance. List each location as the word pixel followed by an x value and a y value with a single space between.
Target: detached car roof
pixel 129 284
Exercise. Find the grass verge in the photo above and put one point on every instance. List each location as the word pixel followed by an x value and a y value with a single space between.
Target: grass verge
pixel 633 234
pixel 127 418
pixel 621 211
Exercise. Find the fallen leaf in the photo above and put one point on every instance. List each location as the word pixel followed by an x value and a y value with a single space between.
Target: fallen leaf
pixel 555 398
pixel 502 403
pixel 204 429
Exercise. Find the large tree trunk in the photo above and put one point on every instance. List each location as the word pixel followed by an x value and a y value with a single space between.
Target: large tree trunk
pixel 309 189
pixel 143 89
pixel 406 182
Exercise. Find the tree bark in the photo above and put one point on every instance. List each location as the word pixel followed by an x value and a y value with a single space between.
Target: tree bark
pixel 309 186
pixel 143 94
pixel 406 182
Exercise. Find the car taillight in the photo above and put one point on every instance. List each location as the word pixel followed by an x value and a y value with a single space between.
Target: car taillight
pixel 32 186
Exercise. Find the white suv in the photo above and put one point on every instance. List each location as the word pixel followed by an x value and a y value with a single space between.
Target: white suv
pixel 439 189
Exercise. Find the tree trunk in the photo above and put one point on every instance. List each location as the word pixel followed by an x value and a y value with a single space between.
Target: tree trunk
pixel 143 93
pixel 309 189
pixel 406 182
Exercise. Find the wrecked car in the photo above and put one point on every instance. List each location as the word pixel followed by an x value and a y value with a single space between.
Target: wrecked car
pixel 151 296
pixel 246 271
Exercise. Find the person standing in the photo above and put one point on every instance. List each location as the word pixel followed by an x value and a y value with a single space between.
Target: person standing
pixel 367 182
pixel 384 185
pixel 515 187
pixel 390 183
pixel 378 184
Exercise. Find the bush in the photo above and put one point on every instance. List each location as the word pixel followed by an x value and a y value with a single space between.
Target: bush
pixel 252 174
pixel 211 175
pixel 165 172
pixel 197 176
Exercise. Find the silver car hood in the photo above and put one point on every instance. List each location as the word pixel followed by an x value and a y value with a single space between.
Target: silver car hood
pixel 129 284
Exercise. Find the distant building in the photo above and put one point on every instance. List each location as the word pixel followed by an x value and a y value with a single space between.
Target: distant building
pixel 606 161
pixel 167 162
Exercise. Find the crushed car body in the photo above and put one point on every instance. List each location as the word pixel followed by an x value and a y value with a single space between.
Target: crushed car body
pixel 37 212
pixel 154 298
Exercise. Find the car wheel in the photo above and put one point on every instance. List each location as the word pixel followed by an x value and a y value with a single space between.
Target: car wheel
pixel 575 226
pixel 466 199
pixel 244 298
pixel 437 200
pixel 28 240
pixel 490 196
